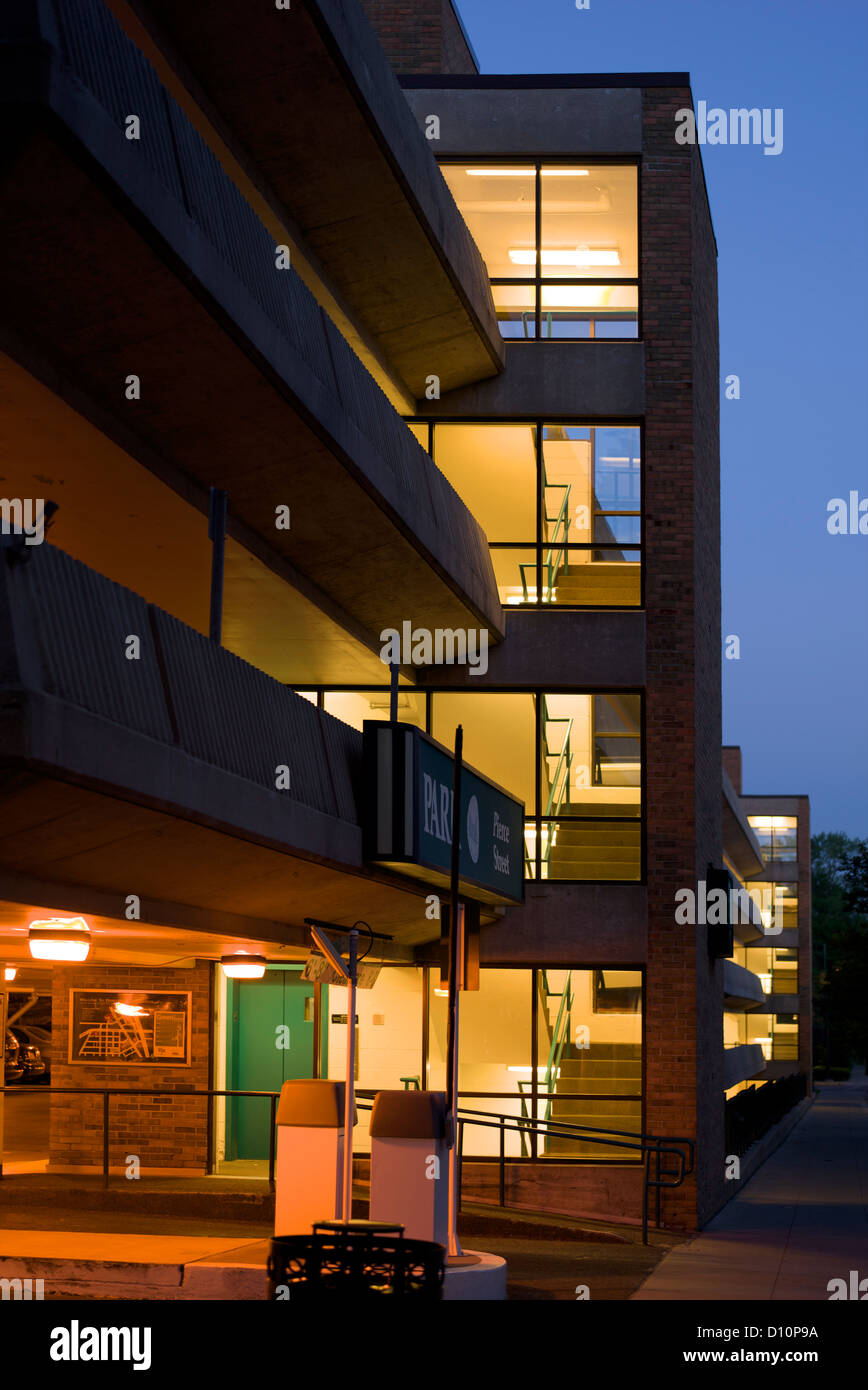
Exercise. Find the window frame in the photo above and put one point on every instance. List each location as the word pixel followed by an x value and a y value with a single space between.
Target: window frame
pixel 536 818
pixel 537 280
pixel 535 1097
pixel 539 545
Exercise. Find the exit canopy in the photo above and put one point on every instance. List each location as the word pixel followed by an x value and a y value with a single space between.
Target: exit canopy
pixel 408 816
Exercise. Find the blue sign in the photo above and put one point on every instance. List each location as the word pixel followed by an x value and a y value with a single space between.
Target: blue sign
pixel 410 824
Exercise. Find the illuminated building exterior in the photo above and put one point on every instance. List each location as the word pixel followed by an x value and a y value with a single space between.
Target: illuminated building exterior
pixel 477 399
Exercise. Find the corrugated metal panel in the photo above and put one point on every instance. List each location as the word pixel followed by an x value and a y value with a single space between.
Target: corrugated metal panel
pixel 99 52
pixel 232 715
pixel 343 746
pixel 233 228
pixel 81 622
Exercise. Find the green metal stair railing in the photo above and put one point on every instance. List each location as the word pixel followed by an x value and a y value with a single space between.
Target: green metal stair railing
pixel 559 1036
pixel 553 562
pixel 559 786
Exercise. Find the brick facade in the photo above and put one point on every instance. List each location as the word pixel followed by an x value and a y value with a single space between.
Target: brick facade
pixel 424 36
pixel 164 1132
pixel 684 989
pixel 732 766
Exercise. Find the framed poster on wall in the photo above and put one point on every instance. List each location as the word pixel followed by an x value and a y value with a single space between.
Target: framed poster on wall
pixel 131 1027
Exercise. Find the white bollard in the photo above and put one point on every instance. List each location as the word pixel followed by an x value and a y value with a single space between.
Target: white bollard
pixel 308 1172
pixel 410 1163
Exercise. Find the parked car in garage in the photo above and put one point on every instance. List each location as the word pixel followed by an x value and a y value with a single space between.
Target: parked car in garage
pixel 14 1070
pixel 29 1057
pixel 40 1038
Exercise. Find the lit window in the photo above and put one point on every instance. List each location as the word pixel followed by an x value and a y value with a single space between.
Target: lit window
pixel 560 242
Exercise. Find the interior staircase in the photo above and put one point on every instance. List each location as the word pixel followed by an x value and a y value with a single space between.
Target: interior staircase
pixel 602 1069
pixel 595 850
pixel 599 584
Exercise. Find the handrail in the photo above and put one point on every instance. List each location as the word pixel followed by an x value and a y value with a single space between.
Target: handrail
pixel 565 758
pixel 108 1091
pixel 552 566
pixel 557 1044
pixel 647 1145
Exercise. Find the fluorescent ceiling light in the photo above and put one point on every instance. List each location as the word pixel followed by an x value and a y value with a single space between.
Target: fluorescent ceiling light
pixel 243 966
pixel 580 256
pixel 500 173
pixel 60 938
pixel 9 973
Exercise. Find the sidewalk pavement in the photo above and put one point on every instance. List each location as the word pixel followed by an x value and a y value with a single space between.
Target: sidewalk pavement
pixel 121 1255
pixel 799 1223
pixel 90 1264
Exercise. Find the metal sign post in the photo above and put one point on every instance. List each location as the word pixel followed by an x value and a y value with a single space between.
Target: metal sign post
pixel 2 1069
pixel 350 1093
pixel 349 972
pixel 456 923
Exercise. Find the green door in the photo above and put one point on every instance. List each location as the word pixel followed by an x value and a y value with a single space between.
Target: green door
pixel 270 1040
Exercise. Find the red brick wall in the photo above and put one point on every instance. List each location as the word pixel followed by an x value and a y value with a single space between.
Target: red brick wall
pixel 684 1042
pixel 165 1132
pixel 422 36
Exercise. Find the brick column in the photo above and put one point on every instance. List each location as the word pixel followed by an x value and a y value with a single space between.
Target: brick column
pixel 164 1132
pixel 684 995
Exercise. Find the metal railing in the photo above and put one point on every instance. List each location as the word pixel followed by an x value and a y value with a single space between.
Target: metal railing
pixel 108 1092
pixel 651 1148
pixel 555 558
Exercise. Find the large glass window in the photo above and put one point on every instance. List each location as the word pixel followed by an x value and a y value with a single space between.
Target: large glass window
pixel 776 836
pixel 499 736
pixel 560 1046
pixel 354 707
pixel 590 774
pixel 573 758
pixel 582 787
pixel 561 505
pixel 777 967
pixel 560 242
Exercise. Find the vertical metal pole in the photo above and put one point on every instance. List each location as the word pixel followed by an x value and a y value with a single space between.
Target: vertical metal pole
pixel 350 1093
pixel 502 1163
pixel 456 924
pixel 393 692
pixel 3 1011
pixel 217 536
pixel 272 1117
pixel 105 1138
pixel 645 1196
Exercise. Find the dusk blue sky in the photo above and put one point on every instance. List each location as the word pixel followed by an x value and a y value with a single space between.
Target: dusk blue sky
pixel 792 236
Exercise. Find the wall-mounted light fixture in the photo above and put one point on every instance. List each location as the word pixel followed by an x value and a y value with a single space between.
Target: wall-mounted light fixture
pixel 241 965
pixel 60 938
